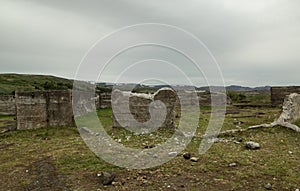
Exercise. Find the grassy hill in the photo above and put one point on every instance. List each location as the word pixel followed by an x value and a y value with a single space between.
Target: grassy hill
pixel 9 83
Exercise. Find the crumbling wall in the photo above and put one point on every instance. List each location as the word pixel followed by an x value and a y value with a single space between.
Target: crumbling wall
pixel 104 100
pixel 59 109
pixel 43 109
pixel 84 102
pixel 139 106
pixel 205 98
pixel 31 110
pixel 291 109
pixel 7 105
pixel 279 93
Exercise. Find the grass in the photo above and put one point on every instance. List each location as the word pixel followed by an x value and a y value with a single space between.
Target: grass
pixel 253 97
pixel 277 162
pixel 9 83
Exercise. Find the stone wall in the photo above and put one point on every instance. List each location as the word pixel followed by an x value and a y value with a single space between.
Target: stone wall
pixel 205 98
pixel 54 108
pixel 7 105
pixel 84 102
pixel 139 106
pixel 43 109
pixel 279 93
pixel 104 100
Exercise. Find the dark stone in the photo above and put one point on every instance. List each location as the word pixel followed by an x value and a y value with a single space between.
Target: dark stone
pixel 268 186
pixel 106 178
pixel 186 156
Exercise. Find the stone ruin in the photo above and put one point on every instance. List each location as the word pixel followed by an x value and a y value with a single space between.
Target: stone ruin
pixel 290 109
pixel 279 93
pixel 54 108
pixel 290 114
pixel 127 104
pixel 7 105
pixel 44 109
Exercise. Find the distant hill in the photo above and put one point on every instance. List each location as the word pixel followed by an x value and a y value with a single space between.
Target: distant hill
pixel 237 88
pixel 9 83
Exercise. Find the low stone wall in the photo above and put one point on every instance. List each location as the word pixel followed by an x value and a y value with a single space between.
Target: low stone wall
pixel 279 93
pixel 7 105
pixel 205 98
pixel 44 109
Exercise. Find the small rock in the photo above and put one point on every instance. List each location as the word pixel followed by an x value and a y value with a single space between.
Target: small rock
pixel 297 189
pixel 232 164
pixel 252 145
pixel 106 178
pixel 186 156
pixel 290 152
pixel 172 154
pixel 194 159
pixel 148 146
pixel 268 186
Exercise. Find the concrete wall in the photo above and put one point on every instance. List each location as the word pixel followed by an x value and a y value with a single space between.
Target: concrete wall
pixel 204 99
pixel 59 110
pixel 43 109
pixel 139 107
pixel 279 93
pixel 54 108
pixel 7 105
pixel 84 102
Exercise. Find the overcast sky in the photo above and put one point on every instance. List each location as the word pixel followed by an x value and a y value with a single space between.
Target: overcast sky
pixel 255 42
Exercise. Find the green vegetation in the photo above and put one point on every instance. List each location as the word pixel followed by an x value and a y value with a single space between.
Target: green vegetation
pixel 277 162
pixel 253 97
pixel 236 97
pixel 9 83
pixel 297 123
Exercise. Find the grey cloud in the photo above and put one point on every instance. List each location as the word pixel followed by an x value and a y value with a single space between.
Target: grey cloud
pixel 253 41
